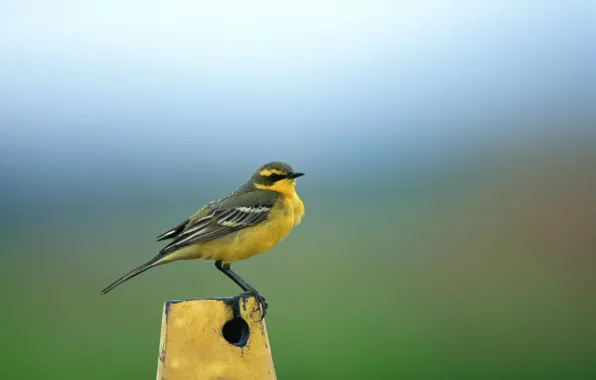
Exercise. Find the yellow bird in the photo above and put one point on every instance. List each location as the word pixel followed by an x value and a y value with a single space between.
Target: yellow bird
pixel 250 220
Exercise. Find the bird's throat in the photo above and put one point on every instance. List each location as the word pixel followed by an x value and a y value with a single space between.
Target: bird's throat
pixel 286 187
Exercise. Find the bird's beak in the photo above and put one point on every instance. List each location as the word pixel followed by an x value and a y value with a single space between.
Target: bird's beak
pixel 295 175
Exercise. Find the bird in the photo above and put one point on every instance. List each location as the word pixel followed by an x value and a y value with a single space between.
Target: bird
pixel 247 221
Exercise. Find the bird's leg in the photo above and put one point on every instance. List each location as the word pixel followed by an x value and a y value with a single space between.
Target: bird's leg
pixel 225 269
pixel 249 290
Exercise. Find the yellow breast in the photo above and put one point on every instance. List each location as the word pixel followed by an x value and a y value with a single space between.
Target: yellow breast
pixel 288 189
pixel 298 209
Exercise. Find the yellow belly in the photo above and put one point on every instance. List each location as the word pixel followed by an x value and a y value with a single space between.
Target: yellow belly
pixel 244 243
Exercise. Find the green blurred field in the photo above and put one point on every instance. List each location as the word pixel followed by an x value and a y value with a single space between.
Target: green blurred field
pixel 478 272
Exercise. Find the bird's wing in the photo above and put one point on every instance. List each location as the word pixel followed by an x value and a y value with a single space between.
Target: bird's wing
pixel 233 214
pixel 173 232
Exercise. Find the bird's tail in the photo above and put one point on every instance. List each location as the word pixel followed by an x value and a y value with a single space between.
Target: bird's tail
pixel 133 273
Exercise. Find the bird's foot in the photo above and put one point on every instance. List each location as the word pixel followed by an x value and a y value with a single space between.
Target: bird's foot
pixel 261 304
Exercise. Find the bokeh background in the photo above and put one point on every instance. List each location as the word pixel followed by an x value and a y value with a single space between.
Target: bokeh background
pixel 450 152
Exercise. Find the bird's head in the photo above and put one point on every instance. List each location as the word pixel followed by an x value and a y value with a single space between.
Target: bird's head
pixel 276 176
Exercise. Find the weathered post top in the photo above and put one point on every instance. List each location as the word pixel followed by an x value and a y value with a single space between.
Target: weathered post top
pixel 219 338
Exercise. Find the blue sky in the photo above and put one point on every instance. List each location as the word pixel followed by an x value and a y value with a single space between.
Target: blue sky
pixel 173 81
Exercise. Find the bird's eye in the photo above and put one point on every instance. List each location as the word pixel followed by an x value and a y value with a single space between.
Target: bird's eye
pixel 276 177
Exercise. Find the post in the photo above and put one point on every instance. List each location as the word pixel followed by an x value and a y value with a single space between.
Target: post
pixel 218 338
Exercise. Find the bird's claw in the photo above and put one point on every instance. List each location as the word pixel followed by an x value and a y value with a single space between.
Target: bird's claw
pixel 261 304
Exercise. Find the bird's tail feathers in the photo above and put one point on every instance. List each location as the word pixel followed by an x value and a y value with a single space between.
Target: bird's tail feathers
pixel 133 273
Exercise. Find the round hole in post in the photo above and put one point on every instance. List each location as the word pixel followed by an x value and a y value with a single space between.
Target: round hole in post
pixel 236 332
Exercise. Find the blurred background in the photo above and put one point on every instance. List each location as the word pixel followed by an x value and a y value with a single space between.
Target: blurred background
pixel 450 152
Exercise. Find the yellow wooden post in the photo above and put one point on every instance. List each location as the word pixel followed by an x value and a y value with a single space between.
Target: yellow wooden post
pixel 219 338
